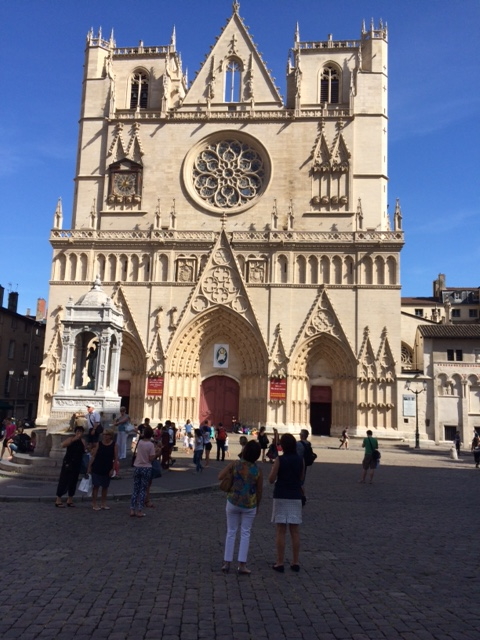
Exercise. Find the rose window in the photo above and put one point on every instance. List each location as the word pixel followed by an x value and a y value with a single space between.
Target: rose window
pixel 227 173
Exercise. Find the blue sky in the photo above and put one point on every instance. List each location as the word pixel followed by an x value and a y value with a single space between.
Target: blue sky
pixel 434 110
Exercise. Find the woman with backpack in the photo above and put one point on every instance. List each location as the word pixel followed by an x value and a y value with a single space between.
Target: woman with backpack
pixel 221 436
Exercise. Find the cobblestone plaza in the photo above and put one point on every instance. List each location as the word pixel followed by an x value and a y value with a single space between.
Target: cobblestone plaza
pixel 396 559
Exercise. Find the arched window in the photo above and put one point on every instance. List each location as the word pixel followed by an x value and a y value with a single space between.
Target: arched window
pixel 134 268
pixel 392 270
pixel 367 270
pixel 330 85
pixel 61 267
pixel 337 270
pixel 379 270
pixel 348 270
pixel 112 268
pixel 313 269
pixel 282 269
pixel 233 77
pixel 163 268
pixel 325 270
pixel 100 267
pixel 123 268
pixel 139 90
pixel 72 263
pixel 83 267
pixel 301 270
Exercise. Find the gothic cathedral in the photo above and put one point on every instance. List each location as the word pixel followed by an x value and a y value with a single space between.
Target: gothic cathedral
pixel 243 261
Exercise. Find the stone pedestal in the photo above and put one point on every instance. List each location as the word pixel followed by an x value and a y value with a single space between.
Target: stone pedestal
pixel 41 448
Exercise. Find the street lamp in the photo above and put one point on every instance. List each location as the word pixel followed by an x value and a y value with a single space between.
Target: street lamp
pixel 417 392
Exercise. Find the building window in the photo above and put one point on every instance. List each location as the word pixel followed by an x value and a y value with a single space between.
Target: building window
pixel 456 313
pixel 454 354
pixel 139 91
pixel 330 85
pixel 25 353
pixel 473 313
pixel 233 82
pixel 450 433
pixel 419 313
pixel 11 350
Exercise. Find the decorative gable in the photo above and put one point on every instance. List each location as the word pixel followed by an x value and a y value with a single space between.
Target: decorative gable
pixel 233 72
pixel 220 283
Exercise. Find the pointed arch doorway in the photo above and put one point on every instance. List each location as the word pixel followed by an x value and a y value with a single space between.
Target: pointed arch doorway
pixel 219 400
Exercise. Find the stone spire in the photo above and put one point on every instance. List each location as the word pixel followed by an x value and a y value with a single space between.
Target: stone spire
pixel 58 216
pixel 397 217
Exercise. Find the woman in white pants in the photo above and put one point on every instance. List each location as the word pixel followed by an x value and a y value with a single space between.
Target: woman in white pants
pixel 121 424
pixel 243 501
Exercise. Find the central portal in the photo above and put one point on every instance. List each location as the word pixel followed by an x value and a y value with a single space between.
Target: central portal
pixel 320 410
pixel 219 400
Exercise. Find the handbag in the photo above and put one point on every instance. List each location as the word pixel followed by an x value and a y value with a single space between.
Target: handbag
pixel 227 481
pixel 85 485
pixel 375 452
pixel 156 469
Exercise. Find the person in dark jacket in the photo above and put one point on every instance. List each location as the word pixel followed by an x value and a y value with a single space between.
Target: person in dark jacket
pixel 71 465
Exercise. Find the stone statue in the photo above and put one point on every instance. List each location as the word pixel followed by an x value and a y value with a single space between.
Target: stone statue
pixel 92 366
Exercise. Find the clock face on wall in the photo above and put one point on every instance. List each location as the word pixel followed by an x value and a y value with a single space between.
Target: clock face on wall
pixel 124 184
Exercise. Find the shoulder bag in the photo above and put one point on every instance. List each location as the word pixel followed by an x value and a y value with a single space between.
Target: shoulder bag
pixel 227 482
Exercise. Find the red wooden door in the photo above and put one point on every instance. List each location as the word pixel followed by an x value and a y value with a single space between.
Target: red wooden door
pixel 219 400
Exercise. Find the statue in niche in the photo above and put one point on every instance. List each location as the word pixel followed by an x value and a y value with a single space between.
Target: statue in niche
pixel 92 365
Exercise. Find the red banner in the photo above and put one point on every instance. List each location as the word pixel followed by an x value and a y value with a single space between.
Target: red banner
pixel 278 388
pixel 155 387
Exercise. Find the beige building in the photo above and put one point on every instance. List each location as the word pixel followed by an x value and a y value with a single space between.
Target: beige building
pixel 243 237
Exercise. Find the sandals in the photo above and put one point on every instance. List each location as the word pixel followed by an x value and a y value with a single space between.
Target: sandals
pixel 243 572
pixel 60 505
pixel 226 567
pixel 278 567
pixel 295 567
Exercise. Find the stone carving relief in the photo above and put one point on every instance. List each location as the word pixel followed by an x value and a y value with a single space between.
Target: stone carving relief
pixel 186 270
pixel 256 271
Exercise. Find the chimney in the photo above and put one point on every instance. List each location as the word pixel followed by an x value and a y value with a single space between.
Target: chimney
pixel 2 291
pixel 41 312
pixel 13 301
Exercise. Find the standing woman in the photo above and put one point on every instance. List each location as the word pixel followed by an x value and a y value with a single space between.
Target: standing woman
pixel 146 453
pixel 243 501
pixel 71 465
pixel 102 464
pixel 287 473
pixel 198 450
pixel 121 424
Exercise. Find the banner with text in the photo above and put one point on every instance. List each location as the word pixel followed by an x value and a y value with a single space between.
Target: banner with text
pixel 278 388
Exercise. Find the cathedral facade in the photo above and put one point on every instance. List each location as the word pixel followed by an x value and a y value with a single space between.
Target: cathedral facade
pixel 243 237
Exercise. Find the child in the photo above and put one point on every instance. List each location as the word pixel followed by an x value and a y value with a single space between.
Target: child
pixel 185 443
pixel 191 440
pixel 227 454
